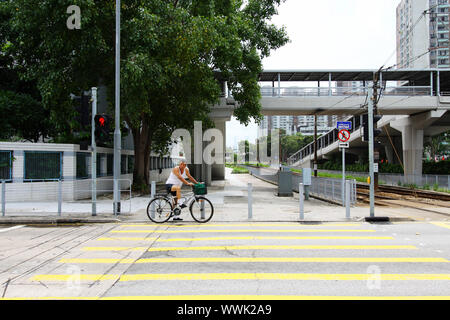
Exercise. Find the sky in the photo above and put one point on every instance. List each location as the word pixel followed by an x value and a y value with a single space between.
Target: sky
pixel 329 34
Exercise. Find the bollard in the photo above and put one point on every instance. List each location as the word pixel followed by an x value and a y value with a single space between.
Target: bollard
pixel 301 202
pixel 250 201
pixel 3 197
pixel 152 196
pixel 202 209
pixel 347 199
pixel 59 197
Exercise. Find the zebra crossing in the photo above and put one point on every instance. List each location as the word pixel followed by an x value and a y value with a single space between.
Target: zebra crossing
pixel 255 260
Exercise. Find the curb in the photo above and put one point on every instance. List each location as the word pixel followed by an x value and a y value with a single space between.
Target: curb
pixel 55 221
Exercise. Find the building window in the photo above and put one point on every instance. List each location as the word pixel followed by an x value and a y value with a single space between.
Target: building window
pixel 6 165
pixel 83 160
pixel 42 166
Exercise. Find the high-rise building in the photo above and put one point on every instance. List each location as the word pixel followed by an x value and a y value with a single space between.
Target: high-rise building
pixel 296 124
pixel 423 34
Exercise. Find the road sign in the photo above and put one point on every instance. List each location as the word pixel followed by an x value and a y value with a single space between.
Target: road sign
pixel 375 167
pixel 344 135
pixel 347 125
pixel 344 145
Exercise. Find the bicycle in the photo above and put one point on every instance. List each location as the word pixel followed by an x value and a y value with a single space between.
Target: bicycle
pixel 160 209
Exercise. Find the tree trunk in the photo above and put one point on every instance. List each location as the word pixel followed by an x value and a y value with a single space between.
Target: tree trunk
pixel 141 156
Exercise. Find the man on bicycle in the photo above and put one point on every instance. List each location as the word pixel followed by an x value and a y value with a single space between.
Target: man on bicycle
pixel 177 178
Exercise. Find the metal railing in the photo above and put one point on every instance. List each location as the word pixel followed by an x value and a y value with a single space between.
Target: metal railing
pixel 343 91
pixel 332 189
pixel 326 188
pixel 424 181
pixel 57 197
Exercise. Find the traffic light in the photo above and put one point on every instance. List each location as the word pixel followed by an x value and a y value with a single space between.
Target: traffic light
pixel 102 128
pixel 83 109
pixel 376 132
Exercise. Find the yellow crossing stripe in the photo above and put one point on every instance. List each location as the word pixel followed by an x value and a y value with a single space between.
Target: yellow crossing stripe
pixel 212 225
pixel 264 247
pixel 241 230
pixel 442 224
pixel 286 247
pixel 243 238
pixel 201 260
pixel 243 276
pixel 238 297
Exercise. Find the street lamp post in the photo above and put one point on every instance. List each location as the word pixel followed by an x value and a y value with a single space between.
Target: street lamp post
pixel 117 134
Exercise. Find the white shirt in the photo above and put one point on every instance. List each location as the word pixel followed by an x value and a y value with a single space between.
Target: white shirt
pixel 173 179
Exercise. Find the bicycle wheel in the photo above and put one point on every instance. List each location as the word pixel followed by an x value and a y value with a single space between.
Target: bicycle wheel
pixel 161 211
pixel 201 209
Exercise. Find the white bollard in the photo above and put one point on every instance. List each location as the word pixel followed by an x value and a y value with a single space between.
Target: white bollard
pixel 152 196
pixel 250 201
pixel 59 197
pixel 347 199
pixel 3 197
pixel 301 201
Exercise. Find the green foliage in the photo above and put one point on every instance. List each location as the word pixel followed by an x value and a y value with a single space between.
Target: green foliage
pixel 440 167
pixel 170 54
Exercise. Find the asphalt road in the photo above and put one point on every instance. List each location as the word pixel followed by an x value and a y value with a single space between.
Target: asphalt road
pixel 227 261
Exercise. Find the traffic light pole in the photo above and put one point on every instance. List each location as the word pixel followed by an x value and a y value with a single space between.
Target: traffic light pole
pixel 371 155
pixel 117 134
pixel 94 153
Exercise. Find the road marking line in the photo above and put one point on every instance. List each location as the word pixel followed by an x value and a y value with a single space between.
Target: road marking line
pixel 244 238
pixel 287 247
pixel 262 247
pixel 10 229
pixel 441 224
pixel 236 231
pixel 112 261
pixel 238 297
pixel 249 225
pixel 242 276
pixel 276 259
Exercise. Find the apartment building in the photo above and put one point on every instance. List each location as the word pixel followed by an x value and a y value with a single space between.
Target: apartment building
pixel 423 34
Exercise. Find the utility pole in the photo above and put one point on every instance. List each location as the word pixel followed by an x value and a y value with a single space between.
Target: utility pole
pixel 94 153
pixel 117 134
pixel 315 145
pixel 376 152
pixel 371 158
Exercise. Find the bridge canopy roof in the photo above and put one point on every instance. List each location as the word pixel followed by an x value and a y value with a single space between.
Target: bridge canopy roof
pixel 416 76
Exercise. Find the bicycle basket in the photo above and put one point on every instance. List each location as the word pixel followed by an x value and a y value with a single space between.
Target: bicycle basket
pixel 200 189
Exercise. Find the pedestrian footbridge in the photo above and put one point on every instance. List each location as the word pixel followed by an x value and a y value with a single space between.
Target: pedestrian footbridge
pixel 415 105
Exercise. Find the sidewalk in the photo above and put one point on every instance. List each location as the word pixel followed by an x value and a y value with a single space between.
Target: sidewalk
pixel 230 202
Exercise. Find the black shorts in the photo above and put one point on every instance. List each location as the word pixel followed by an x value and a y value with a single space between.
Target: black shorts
pixel 169 189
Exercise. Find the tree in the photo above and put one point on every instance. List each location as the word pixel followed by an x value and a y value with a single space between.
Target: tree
pixel 174 53
pixel 438 145
pixel 290 144
pixel 23 116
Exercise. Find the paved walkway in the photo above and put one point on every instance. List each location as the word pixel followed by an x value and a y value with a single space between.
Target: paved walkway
pixel 230 203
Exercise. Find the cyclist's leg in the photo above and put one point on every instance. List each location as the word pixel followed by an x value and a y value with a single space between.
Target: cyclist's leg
pixel 176 192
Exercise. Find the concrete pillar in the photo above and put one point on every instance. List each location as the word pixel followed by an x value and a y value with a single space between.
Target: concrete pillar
pixel 218 170
pixel 412 139
pixel 412 129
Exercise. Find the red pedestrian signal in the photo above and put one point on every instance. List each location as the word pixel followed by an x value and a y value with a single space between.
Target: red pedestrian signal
pixel 102 128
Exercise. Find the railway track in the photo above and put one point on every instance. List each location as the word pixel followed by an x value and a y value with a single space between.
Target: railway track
pixel 390 197
pixel 408 192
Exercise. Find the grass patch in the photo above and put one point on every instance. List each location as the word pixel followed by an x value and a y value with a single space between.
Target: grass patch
pixel 236 169
pixel 334 175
